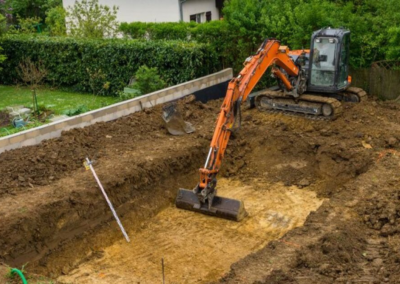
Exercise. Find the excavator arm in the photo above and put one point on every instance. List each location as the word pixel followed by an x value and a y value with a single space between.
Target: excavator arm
pixel 203 198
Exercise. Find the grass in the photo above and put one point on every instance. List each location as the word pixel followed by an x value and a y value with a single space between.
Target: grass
pixel 60 102
pixel 55 100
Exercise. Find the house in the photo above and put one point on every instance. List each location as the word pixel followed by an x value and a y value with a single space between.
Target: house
pixel 164 10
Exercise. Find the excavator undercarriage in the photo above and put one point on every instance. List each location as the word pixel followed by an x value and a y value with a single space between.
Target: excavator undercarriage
pixel 313 106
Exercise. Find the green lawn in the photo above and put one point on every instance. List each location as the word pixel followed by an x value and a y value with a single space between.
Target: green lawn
pixel 55 100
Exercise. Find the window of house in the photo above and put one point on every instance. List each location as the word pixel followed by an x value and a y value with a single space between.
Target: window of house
pixel 201 17
pixel 208 16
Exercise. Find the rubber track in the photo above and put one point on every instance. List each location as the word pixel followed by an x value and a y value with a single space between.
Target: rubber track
pixel 336 105
pixel 362 95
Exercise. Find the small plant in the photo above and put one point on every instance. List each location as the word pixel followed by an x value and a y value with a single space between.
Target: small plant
pixel 147 80
pixel 75 111
pixel 127 96
pixel 32 74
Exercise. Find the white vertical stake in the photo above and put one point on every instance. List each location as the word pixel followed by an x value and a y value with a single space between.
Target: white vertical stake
pixel 89 164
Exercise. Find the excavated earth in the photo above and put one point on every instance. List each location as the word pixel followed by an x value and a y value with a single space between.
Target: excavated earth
pixel 323 199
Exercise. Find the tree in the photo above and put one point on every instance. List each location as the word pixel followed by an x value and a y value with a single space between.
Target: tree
pixel 55 21
pixel 33 8
pixel 88 19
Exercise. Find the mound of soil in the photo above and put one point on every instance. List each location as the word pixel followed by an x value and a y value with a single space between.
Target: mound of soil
pixel 383 213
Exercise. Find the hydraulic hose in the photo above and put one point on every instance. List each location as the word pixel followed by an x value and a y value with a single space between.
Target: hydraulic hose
pixel 20 274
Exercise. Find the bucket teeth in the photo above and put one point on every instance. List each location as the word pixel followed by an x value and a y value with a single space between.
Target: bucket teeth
pixel 222 207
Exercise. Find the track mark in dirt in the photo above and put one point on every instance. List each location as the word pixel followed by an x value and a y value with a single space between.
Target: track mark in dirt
pixel 197 248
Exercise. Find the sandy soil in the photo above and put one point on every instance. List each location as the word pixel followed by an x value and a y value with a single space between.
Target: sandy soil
pixel 193 251
pixel 54 217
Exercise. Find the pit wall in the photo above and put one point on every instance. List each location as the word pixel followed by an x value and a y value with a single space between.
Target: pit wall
pixel 54 129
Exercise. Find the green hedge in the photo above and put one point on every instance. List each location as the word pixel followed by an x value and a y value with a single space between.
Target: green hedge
pixel 215 33
pixel 67 60
pixel 154 31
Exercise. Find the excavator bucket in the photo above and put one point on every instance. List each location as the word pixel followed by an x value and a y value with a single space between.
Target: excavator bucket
pixel 174 121
pixel 222 207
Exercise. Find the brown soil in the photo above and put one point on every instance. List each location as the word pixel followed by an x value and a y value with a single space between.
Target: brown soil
pixel 54 217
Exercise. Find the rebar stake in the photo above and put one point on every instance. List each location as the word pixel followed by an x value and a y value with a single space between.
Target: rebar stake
pixel 89 165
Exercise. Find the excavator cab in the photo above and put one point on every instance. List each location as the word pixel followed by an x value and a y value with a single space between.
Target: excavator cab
pixel 328 61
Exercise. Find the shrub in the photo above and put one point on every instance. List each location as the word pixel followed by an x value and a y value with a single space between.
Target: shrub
pixel 28 25
pixel 55 21
pixel 67 60
pixel 147 80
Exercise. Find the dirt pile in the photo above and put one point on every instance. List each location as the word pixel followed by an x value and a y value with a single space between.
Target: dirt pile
pixel 383 213
pixel 334 254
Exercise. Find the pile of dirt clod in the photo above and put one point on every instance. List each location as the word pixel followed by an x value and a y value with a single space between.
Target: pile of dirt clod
pixel 334 254
pixel 383 213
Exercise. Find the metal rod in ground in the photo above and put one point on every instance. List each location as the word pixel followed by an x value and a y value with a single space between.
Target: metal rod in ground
pixel 162 267
pixel 108 200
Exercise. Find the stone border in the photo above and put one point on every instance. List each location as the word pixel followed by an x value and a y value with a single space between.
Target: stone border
pixel 36 135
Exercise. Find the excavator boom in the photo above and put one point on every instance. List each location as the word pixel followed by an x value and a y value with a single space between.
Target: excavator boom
pixel 203 198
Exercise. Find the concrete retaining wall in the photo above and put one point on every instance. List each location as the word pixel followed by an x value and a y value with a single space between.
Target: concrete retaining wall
pixel 54 129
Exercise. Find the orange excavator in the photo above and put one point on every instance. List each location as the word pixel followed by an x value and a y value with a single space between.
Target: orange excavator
pixel 311 82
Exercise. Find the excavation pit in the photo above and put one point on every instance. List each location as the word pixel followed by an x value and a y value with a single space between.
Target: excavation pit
pixel 54 218
pixel 198 248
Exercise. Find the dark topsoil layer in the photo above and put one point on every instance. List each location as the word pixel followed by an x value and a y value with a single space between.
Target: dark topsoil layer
pixel 49 202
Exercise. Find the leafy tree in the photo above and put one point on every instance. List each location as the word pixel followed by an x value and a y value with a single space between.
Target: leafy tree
pixel 33 8
pixel 55 21
pixel 372 24
pixel 88 19
pixel 5 11
pixel 394 43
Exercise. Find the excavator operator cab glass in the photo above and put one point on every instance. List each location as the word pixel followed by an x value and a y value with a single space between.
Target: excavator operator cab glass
pixel 324 62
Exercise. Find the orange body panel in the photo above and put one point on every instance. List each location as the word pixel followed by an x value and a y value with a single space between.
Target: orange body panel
pixel 299 51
